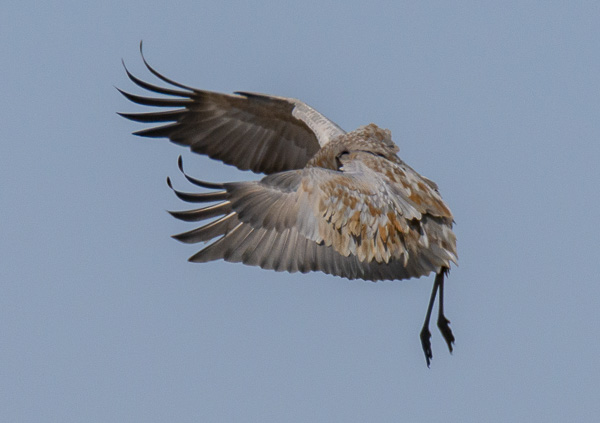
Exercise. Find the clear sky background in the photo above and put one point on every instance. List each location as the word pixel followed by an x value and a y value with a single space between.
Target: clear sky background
pixel 102 319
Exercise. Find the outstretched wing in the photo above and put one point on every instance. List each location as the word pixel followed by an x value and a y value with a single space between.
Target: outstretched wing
pixel 257 132
pixel 318 219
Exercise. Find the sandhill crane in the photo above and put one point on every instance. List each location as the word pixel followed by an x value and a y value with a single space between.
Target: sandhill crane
pixel 339 202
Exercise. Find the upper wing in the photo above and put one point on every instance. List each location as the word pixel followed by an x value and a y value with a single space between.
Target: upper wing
pixel 258 132
pixel 319 219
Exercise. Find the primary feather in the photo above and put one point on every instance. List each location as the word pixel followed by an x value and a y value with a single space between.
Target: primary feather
pixel 341 203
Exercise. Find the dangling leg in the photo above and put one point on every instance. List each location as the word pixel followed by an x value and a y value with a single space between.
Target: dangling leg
pixel 425 334
pixel 443 323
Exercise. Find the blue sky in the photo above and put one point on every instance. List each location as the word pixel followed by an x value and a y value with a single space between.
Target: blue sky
pixel 103 319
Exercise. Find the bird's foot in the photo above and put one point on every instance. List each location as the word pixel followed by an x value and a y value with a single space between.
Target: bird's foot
pixel 426 343
pixel 444 326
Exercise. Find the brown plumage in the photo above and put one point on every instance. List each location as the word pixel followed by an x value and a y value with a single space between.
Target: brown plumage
pixel 341 203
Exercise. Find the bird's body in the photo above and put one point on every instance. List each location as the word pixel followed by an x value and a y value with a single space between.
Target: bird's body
pixel 341 203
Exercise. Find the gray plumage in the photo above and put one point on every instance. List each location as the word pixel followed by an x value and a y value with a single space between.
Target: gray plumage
pixel 341 203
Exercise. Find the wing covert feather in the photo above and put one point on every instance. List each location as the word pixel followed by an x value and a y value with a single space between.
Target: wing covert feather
pixel 262 133
pixel 319 220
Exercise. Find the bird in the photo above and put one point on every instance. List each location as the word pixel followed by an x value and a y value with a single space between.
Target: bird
pixel 339 202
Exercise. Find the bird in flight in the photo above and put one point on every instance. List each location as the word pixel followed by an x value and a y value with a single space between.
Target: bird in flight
pixel 338 202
